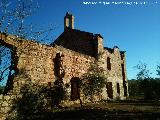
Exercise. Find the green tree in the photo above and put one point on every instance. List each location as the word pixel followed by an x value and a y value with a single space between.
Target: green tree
pixel 133 88
pixel 93 81
pixel 158 70
pixel 1 89
pixel 33 101
pixel 144 76
pixel 143 72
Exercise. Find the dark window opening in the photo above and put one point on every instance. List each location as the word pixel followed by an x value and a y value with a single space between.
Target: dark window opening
pixel 108 63
pixel 118 88
pixel 123 72
pixel 75 88
pixel 122 56
pixel 57 64
pixel 125 91
pixel 125 88
pixel 109 90
pixel 124 81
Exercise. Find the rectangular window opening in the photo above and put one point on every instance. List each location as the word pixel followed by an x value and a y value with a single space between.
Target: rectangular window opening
pixel 108 63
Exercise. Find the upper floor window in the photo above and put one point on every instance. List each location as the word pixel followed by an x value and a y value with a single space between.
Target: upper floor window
pixel 122 56
pixel 123 72
pixel 108 63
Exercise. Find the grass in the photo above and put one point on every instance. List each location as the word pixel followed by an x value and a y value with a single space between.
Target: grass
pixel 117 110
pixel 111 111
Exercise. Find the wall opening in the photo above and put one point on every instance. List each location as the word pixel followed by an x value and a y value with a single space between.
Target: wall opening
pixel 108 63
pixel 75 88
pixel 57 64
pixel 5 62
pixel 59 71
pixel 118 88
pixel 125 88
pixel 123 72
pixel 122 56
pixel 124 81
pixel 109 90
pixel 8 66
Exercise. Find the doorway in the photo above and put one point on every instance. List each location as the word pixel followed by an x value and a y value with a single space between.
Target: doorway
pixel 75 88
pixel 109 90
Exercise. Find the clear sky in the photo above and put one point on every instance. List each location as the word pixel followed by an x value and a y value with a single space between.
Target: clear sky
pixel 134 28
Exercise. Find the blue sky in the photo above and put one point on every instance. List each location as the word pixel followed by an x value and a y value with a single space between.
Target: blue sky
pixel 133 28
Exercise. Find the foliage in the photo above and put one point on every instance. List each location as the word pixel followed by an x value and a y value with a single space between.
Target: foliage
pixel 34 101
pixel 158 70
pixel 1 89
pixel 143 71
pixel 144 85
pixel 93 81
pixel 134 87
pixel 148 88
pixel 144 76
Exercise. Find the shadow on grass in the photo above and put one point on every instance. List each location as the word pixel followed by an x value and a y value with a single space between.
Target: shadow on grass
pixel 136 102
pixel 98 114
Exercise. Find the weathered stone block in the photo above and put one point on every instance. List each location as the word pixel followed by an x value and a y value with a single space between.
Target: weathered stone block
pixel 1 97
pixel 5 104
pixel 6 97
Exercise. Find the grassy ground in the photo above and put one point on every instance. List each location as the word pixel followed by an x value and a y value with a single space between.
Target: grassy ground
pixel 137 110
pixel 119 110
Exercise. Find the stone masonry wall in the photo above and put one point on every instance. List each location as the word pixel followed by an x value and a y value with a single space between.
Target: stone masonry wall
pixel 37 61
pixel 115 74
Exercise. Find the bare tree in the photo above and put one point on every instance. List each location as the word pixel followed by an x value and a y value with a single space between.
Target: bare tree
pixel 13 15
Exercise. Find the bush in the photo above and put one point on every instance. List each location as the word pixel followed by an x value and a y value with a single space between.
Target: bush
pixel 93 82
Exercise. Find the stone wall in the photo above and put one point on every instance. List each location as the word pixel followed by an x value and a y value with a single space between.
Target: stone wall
pixel 40 66
pixel 37 61
pixel 115 74
pixel 5 105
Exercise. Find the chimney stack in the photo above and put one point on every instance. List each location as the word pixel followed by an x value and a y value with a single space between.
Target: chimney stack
pixel 69 21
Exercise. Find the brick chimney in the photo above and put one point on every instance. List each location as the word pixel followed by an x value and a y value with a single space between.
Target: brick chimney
pixel 69 21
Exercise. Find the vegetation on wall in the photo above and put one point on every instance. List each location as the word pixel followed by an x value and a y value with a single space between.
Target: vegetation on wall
pixel 93 81
pixel 33 100
pixel 1 89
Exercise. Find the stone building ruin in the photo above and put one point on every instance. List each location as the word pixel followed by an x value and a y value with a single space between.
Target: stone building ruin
pixel 67 59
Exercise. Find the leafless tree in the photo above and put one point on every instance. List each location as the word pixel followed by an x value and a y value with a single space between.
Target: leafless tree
pixel 13 15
